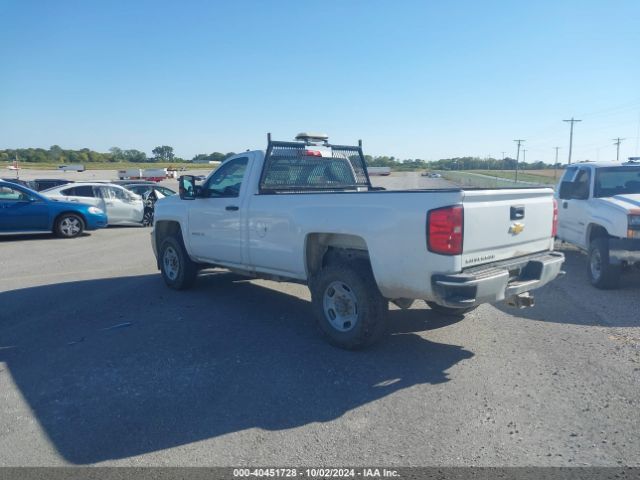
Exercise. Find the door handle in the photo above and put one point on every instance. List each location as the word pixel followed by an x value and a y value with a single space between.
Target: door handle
pixel 232 208
pixel 565 204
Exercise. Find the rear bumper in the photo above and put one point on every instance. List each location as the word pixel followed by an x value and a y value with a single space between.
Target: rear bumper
pixel 496 281
pixel 624 250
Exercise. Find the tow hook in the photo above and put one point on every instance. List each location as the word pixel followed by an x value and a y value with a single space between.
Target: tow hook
pixel 522 300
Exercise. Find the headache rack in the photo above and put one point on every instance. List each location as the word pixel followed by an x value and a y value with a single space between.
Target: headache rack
pixel 297 167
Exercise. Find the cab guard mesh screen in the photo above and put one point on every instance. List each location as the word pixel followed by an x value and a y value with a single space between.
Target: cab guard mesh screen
pixel 288 169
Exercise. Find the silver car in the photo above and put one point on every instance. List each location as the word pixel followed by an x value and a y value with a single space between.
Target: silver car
pixel 122 206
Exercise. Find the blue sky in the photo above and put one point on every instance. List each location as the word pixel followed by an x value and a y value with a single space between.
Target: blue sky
pixel 414 79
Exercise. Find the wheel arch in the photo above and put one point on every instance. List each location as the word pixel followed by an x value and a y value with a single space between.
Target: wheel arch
pixel 595 230
pixel 323 248
pixel 164 229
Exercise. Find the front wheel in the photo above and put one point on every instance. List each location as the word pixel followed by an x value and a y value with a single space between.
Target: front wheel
pixel 602 273
pixel 349 308
pixel 69 225
pixel 178 270
pixel 450 311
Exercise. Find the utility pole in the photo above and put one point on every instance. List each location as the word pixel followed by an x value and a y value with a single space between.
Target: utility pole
pixel 555 165
pixel 518 156
pixel 573 120
pixel 617 142
pixel 524 155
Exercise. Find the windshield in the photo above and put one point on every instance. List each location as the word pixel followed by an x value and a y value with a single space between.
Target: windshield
pixel 617 181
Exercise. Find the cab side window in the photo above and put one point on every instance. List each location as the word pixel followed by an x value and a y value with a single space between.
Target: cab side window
pixel 582 184
pixel 80 191
pixel 227 180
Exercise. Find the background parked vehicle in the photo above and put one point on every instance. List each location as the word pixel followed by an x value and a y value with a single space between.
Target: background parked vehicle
pixel 150 194
pixel 17 181
pixel 600 214
pixel 26 211
pixel 153 174
pixel 122 206
pixel 72 168
pixel 42 184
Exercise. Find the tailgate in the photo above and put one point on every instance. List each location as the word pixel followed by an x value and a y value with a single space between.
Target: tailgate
pixel 502 224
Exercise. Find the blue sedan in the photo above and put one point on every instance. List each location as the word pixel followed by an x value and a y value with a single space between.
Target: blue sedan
pixel 25 211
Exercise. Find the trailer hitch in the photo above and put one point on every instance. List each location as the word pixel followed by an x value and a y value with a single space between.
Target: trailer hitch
pixel 521 300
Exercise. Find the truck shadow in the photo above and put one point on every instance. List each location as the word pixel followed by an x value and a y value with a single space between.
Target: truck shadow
pixel 118 367
pixel 572 298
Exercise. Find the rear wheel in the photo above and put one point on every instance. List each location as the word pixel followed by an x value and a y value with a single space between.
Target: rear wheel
pixel 601 272
pixel 178 270
pixel 450 311
pixel 69 225
pixel 349 308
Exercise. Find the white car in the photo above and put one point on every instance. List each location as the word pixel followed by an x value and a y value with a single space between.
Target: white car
pixel 307 212
pixel 122 206
pixel 599 212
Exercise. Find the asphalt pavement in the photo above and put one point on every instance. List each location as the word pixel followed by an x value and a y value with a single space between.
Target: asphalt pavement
pixel 100 363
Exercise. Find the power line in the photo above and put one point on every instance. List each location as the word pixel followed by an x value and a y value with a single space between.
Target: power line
pixel 617 142
pixel 519 141
pixel 573 120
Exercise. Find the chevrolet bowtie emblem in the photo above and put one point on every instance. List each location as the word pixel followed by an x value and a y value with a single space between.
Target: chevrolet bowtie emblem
pixel 516 228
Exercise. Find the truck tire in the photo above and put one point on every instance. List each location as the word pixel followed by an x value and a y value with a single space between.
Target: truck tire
pixel 450 311
pixel 178 270
pixel 68 225
pixel 349 308
pixel 602 273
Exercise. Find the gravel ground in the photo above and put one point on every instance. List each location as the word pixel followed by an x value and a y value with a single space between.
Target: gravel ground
pixel 100 363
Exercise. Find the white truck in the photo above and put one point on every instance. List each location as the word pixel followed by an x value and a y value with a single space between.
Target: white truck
pixel 305 211
pixel 600 214
pixel 71 168
pixel 148 174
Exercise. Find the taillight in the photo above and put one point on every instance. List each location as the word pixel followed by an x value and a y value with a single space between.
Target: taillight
pixel 554 227
pixel 445 230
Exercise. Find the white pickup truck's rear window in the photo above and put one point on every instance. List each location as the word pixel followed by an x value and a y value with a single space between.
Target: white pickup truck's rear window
pixel 294 167
pixel 315 172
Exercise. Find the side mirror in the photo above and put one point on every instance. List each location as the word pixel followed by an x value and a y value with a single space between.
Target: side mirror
pixel 187 187
pixel 566 190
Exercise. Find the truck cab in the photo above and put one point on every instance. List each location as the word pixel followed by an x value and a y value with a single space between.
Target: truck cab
pixel 599 212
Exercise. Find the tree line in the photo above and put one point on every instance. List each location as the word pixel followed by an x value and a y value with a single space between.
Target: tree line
pixel 56 154
pixel 165 154
pixel 458 163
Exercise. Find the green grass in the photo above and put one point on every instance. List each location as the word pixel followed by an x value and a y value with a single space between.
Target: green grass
pixel 522 176
pixel 480 179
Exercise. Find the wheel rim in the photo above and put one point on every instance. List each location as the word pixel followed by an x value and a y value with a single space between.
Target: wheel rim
pixel 70 226
pixel 340 306
pixel 147 219
pixel 596 265
pixel 171 263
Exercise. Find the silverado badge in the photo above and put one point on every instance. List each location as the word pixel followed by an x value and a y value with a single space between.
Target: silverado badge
pixel 516 228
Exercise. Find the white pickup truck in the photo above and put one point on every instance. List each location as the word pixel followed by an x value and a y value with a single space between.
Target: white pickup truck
pixel 600 214
pixel 305 211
